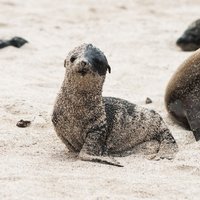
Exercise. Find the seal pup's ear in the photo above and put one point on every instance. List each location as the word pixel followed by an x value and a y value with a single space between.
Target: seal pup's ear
pixel 108 68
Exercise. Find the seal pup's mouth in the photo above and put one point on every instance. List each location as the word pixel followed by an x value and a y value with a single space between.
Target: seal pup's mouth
pixel 83 72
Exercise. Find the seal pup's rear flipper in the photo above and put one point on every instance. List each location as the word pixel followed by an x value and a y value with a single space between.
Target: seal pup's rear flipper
pixel 193 117
pixel 168 146
pixel 94 150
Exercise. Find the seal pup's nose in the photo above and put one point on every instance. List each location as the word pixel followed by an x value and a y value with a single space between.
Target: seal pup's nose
pixel 83 67
pixel 83 63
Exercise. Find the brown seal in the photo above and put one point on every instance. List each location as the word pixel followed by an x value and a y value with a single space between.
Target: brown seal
pixel 99 127
pixel 182 97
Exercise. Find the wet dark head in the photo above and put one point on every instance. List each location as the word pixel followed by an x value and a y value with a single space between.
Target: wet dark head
pixel 87 59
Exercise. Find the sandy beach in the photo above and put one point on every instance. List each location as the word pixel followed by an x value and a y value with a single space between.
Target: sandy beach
pixel 138 38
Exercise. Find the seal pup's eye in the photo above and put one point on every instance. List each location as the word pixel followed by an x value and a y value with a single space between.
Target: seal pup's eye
pixel 72 59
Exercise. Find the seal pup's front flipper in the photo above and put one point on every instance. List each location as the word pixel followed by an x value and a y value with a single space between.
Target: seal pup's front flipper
pixel 100 159
pixel 93 150
pixel 193 117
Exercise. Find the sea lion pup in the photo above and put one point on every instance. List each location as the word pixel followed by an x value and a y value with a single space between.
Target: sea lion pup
pixel 99 127
pixel 190 40
pixel 182 97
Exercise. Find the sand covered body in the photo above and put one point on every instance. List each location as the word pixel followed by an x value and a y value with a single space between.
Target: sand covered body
pixel 138 38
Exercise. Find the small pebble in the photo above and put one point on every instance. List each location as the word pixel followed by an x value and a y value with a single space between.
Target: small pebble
pixel 22 123
pixel 148 100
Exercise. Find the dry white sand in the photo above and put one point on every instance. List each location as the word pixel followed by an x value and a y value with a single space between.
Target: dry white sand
pixel 138 38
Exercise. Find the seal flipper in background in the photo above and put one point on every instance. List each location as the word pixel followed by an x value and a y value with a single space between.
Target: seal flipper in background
pixel 15 41
pixel 192 113
pixel 4 44
pixel 93 150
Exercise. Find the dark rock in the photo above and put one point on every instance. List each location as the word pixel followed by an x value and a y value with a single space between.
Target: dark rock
pixel 22 123
pixel 148 100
